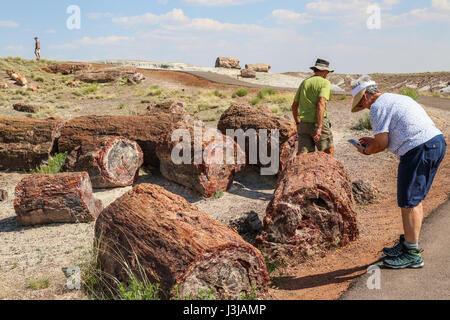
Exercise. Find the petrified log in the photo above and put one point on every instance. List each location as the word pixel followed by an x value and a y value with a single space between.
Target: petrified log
pixel 364 192
pixel 288 151
pixel 247 73
pixel 148 131
pixel 168 106
pixel 109 161
pixel 229 63
pixel 207 164
pixel 25 107
pixel 250 118
pixel 17 77
pixel 258 67
pixel 105 75
pixel 161 235
pixel 56 198
pixel 25 143
pixel 67 68
pixel 311 209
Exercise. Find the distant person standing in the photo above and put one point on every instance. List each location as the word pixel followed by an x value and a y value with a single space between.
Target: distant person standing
pixel 37 49
pixel 310 111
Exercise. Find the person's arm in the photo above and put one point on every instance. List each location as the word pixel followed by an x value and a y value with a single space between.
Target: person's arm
pixel 295 112
pixel 320 115
pixel 375 145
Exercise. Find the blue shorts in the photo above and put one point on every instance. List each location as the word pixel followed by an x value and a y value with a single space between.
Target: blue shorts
pixel 417 170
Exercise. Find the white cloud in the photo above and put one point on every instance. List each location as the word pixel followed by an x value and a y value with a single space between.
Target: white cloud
pixel 8 24
pixel 283 16
pixel 172 17
pixel 219 3
pixel 441 4
pixel 98 15
pixel 14 48
pixel 101 41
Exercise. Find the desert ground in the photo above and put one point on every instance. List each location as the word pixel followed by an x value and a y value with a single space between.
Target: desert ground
pixel 32 258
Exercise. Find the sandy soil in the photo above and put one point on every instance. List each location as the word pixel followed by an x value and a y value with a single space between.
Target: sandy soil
pixel 41 252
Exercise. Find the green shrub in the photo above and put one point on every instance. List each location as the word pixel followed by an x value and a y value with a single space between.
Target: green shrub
pixel 272 265
pixel 219 94
pixel 410 93
pixel 265 92
pixel 90 89
pixel 343 97
pixel 38 284
pixel 255 101
pixel 40 79
pixel 138 290
pixel 242 92
pixel 155 93
pixel 52 165
pixel 363 123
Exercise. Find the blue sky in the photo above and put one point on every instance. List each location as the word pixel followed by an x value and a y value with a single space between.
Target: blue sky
pixel 288 34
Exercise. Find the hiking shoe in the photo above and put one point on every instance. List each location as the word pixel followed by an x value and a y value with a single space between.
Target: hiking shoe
pixel 407 259
pixel 396 250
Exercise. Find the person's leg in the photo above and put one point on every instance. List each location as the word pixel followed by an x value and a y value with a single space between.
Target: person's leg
pixel 305 140
pixel 326 142
pixel 412 223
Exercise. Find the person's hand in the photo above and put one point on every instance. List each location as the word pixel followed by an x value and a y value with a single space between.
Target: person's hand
pixel 298 120
pixel 318 135
pixel 366 141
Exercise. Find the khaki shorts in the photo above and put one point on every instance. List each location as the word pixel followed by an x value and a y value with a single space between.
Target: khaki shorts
pixel 306 133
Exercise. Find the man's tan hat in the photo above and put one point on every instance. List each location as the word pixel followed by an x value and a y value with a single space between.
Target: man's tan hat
pixel 322 64
pixel 358 93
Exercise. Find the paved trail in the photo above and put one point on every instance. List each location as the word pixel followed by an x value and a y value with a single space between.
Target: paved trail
pixel 430 283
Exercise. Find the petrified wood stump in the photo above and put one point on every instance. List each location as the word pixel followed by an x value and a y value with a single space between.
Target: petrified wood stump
pixel 258 67
pixel 312 205
pixel 67 68
pixel 210 168
pixel 110 162
pixel 56 198
pixel 247 118
pixel 173 243
pixel 25 143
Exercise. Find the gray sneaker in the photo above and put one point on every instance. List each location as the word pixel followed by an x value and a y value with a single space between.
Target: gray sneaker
pixel 408 259
pixel 396 250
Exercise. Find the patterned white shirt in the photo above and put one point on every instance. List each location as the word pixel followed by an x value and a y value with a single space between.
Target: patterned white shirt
pixel 404 119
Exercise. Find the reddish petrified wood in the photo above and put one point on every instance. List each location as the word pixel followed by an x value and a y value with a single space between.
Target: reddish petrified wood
pixel 209 169
pixel 246 117
pixel 110 161
pixel 161 235
pixel 25 107
pixel 56 198
pixel 289 150
pixel 148 131
pixel 67 68
pixel 25 143
pixel 312 205
pixel 168 106
pixel 107 74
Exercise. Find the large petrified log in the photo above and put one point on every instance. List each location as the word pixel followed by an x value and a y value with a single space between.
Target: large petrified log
pixel 109 161
pixel 19 78
pixel 207 160
pixel 107 74
pixel 252 119
pixel 162 236
pixel 288 151
pixel 229 63
pixel 258 67
pixel 148 131
pixel 312 206
pixel 56 198
pixel 25 143
pixel 67 68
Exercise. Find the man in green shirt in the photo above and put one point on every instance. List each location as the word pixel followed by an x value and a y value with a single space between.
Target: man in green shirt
pixel 310 111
